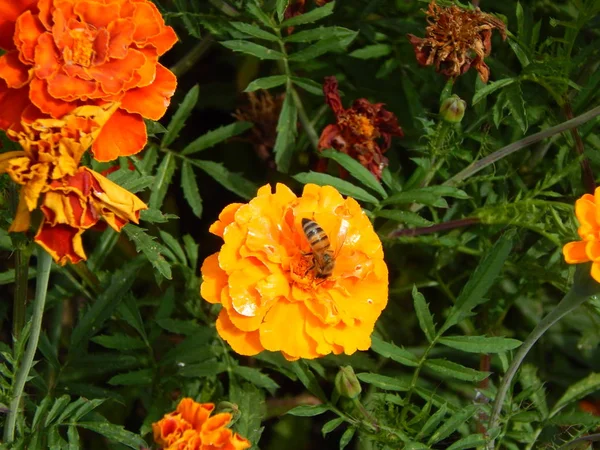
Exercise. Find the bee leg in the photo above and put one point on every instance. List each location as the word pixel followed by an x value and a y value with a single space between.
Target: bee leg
pixel 309 269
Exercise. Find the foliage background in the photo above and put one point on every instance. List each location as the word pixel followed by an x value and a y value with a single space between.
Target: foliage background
pixel 133 340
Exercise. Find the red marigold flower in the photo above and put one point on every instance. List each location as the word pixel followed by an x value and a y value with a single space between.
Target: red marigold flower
pixel 301 275
pixel 191 427
pixel 457 39
pixel 60 55
pixel 363 131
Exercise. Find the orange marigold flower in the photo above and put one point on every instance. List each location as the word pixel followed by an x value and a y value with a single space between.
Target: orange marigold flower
pixel 63 54
pixel 275 288
pixel 456 40
pixel 363 131
pixel 190 427
pixel 587 210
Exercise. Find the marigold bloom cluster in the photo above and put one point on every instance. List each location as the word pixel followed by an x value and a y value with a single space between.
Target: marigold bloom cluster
pixel 364 131
pixel 191 427
pixel 68 53
pixel 456 40
pixel 587 210
pixel 265 277
pixel 73 198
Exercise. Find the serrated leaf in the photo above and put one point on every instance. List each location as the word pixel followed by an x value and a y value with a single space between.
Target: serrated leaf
pixel 266 83
pixel 516 105
pixel 190 188
pixel 137 378
pixel 287 126
pixel 480 344
pixel 251 404
pixel 181 115
pixel 356 169
pixel 215 136
pixel 173 245
pixel 452 424
pixel 576 391
pixel 73 437
pixel 480 282
pixel 258 13
pixel 451 369
pixel 82 408
pixel 383 382
pixel 115 433
pixel 203 370
pixel 59 404
pixel 530 381
pixel 308 410
pixel 138 183
pixel 177 326
pixel 236 183
pixel 308 85
pixel 491 87
pixel 331 425
pixel 430 195
pixel 40 411
pixel 371 51
pixel 151 249
pixel 252 49
pixel 347 437
pixel 152 215
pixel 254 31
pixel 191 250
pixel 324 46
pixel 393 352
pixel 345 187
pixel 423 314
pixel 307 378
pixel 256 377
pixel 280 7
pixel 319 34
pixel 432 422
pixel 471 441
pixel 119 341
pixel 162 180
pixel 405 217
pixel 309 17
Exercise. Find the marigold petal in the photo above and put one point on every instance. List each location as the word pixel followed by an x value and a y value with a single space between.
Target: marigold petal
pixel 121 36
pixel 592 250
pixel 95 13
pixel 241 342
pixel 585 210
pixel 574 252
pixel 239 443
pixel 229 255
pixel 225 218
pixel 194 413
pixel 214 279
pixel 164 40
pixel 45 14
pixel 13 71
pixel 22 218
pixel 113 74
pixel 10 10
pixel 66 87
pixel 146 74
pixel 245 298
pixel 153 100
pixel 123 135
pixel 47 59
pixel 28 29
pixel 63 242
pixel 40 97
pixel 147 20
pixel 595 272
pixel 12 104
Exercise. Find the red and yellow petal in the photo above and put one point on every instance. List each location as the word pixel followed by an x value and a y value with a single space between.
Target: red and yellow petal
pixel 39 96
pixel 123 135
pixel 13 71
pixel 12 104
pixel 63 242
pixel 27 32
pixel 153 100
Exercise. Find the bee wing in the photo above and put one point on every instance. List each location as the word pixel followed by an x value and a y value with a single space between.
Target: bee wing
pixel 341 236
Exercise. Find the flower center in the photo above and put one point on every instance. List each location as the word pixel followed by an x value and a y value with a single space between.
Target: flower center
pixel 83 47
pixel 302 269
pixel 360 125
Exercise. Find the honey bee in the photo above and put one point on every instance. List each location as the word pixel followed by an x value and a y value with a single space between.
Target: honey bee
pixel 322 252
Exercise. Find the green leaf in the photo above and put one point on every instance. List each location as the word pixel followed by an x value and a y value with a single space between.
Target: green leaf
pixel 258 13
pixel 73 437
pixel 190 188
pixel 347 437
pixel 174 246
pixel 423 314
pixel 254 31
pixel 356 169
pixel 331 425
pixel 516 105
pixel 57 407
pixel 119 341
pixel 393 352
pixel 181 115
pixel 324 46
pixel 215 136
pixel 308 410
pixel 141 377
pixel 177 326
pixel 234 182
pixel 115 433
pixel 287 127
pixel 372 51
pixel 480 344
pixel 152 215
pixel 252 49
pixel 136 183
pixel 530 381
pixel 472 441
pixel 576 391
pixel 490 88
pixel 151 249
pixel 432 422
pixel 251 404
pixel 480 282
pixel 345 187
pixel 308 85
pixel 383 382
pixel 430 195
pixel 449 369
pixel 320 33
pixel 452 424
pixel 307 378
pixel 162 180
pixel 40 411
pixel 405 217
pixel 309 17
pixel 256 377
pixel 266 83
pixel 280 7
pixel 191 250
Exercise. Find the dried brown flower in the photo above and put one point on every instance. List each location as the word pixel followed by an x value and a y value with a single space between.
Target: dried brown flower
pixel 456 40
pixel 363 131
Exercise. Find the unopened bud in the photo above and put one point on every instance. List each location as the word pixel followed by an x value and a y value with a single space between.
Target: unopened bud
pixel 453 109
pixel 346 383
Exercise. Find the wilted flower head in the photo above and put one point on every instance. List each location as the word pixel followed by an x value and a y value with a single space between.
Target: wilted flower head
pixel 263 111
pixel 587 210
pixel 266 274
pixel 457 39
pixel 191 427
pixel 64 54
pixel 364 131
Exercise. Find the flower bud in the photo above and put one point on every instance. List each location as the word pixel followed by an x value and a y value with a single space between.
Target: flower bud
pixel 453 109
pixel 346 383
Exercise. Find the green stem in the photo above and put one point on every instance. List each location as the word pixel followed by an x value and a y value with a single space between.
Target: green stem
pixel 22 256
pixel 43 274
pixel 192 57
pixel 413 382
pixel 583 288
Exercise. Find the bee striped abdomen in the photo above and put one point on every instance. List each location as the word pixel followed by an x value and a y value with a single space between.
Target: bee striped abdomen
pixel 317 238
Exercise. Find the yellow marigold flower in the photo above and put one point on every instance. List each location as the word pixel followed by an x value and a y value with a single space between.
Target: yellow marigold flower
pixel 191 427
pixel 267 276
pixel 587 210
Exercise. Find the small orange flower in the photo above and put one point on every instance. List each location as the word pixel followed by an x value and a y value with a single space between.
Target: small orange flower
pixel 456 40
pixel 190 427
pixel 63 54
pixel 364 131
pixel 265 275
pixel 587 210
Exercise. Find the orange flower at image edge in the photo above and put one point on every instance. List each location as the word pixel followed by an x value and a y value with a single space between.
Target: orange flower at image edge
pixel 190 427
pixel 60 55
pixel 265 275
pixel 587 210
